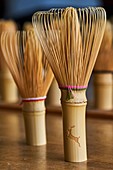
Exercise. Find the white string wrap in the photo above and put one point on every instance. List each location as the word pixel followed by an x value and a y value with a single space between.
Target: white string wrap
pixel 33 99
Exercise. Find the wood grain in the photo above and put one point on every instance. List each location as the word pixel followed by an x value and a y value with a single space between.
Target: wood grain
pixel 16 155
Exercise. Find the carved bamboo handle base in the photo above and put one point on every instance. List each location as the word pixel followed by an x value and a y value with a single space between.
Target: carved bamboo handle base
pixel 74 132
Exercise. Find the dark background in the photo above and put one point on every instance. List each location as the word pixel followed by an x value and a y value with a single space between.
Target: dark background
pixel 5 7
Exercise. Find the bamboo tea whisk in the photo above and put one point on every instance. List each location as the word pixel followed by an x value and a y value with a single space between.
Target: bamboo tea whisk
pixel 33 76
pixel 8 89
pixel 71 39
pixel 53 95
pixel 103 80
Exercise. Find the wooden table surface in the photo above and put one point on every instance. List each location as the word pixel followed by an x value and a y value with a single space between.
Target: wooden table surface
pixel 16 155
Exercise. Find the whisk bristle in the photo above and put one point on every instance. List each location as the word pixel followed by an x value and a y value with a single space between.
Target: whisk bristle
pixel 105 59
pixel 24 57
pixel 74 36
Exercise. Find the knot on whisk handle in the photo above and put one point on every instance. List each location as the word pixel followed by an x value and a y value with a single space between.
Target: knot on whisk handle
pixel 73 94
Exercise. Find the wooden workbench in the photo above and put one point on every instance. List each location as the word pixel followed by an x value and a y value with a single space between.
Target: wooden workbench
pixel 16 155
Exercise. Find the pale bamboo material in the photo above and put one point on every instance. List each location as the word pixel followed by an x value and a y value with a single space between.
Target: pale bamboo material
pixel 103 87
pixel 34 118
pixel 103 82
pixel 33 77
pixel 8 89
pixel 28 26
pixel 71 39
pixel 74 126
pixel 54 95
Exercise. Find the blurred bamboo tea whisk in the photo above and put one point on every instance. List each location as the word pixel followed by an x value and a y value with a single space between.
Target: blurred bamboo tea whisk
pixel 54 94
pixel 71 39
pixel 28 26
pixel 8 89
pixel 33 76
pixel 103 80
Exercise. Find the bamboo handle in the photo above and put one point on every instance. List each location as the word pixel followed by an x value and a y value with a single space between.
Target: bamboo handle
pixel 54 95
pixel 74 131
pixel 34 118
pixel 103 90
pixel 8 89
pixel 74 127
